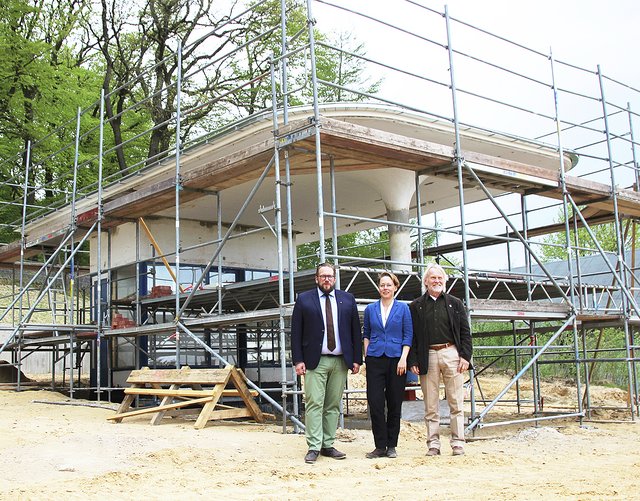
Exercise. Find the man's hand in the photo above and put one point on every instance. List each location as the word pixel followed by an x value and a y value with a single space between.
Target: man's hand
pixel 355 368
pixel 415 369
pixel 463 365
pixel 301 369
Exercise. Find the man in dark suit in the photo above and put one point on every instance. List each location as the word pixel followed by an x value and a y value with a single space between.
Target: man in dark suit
pixel 441 345
pixel 325 343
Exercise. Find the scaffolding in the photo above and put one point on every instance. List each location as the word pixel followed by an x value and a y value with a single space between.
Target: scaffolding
pixel 532 142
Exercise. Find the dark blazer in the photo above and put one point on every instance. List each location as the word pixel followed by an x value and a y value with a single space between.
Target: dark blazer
pixel 307 329
pixel 388 339
pixel 458 322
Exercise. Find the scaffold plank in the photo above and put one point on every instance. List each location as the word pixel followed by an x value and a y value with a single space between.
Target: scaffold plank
pixel 509 309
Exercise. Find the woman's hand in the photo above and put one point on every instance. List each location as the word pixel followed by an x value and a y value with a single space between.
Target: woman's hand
pixel 402 366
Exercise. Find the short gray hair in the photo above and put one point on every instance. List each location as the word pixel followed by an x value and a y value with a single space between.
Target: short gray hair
pixel 436 267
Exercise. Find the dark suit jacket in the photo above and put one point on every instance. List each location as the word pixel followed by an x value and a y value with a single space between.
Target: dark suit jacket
pixel 458 323
pixel 307 329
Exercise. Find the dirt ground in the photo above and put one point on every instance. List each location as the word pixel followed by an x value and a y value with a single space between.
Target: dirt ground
pixel 71 452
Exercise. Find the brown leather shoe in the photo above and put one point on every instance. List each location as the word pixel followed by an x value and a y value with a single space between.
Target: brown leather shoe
pixel 332 452
pixel 457 451
pixel 433 452
pixel 311 456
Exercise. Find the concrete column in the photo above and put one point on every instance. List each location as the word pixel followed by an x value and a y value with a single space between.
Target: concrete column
pixel 396 188
pixel 399 237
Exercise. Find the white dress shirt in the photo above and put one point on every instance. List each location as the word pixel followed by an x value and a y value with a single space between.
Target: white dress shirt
pixel 334 310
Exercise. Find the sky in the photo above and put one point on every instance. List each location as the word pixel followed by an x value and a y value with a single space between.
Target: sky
pixel 584 33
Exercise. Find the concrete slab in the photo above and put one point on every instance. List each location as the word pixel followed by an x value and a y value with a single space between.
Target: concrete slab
pixel 414 411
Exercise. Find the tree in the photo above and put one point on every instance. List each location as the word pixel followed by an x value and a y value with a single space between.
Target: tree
pixel 605 234
pixel 337 62
pixel 42 82
pixel 139 44
pixel 372 243
pixel 340 63
pixel 58 54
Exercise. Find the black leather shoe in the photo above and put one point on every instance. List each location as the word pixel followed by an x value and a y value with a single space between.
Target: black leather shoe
pixel 311 456
pixel 376 453
pixel 332 452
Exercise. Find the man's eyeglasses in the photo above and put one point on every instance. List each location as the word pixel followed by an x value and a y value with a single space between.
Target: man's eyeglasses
pixel 326 277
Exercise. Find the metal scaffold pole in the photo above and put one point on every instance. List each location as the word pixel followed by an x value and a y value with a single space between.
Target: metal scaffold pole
pixel 178 187
pixel 636 171
pixel 99 314
pixel 73 223
pixel 459 160
pixel 477 421
pixel 291 253
pixel 619 239
pixel 334 210
pixel 287 163
pixel 420 242
pixel 565 208
pixel 316 119
pixel 219 233
pixel 23 243
pixel 278 237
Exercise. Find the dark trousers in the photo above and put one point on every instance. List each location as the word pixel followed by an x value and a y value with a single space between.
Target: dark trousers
pixel 384 386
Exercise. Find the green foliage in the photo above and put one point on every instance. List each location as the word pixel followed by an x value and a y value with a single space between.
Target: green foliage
pixel 42 83
pixel 372 243
pixel 337 62
pixel 556 362
pixel 56 56
pixel 340 63
pixel 604 233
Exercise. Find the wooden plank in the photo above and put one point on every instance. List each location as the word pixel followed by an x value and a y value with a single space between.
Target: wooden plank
pixel 224 172
pixel 166 400
pixel 509 168
pixel 230 414
pixel 349 137
pixel 587 317
pixel 148 410
pixel 217 174
pixel 184 376
pixel 525 306
pixel 183 392
pixel 124 406
pixel 237 378
pixel 208 408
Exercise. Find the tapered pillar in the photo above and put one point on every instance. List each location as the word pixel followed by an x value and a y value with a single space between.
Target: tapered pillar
pixel 396 188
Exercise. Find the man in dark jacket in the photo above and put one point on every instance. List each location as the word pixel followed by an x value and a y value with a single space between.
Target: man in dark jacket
pixel 325 343
pixel 441 345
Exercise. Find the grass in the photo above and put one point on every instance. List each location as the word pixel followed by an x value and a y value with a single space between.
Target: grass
pixel 42 313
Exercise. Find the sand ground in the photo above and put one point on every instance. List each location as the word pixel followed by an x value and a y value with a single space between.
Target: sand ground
pixel 71 452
